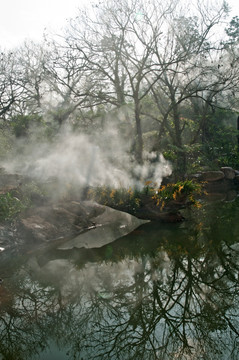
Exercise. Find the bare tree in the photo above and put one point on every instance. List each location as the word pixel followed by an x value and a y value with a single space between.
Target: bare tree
pixel 117 41
pixel 10 91
pixel 23 80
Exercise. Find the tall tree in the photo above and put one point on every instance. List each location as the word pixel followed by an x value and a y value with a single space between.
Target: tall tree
pixel 195 72
pixel 10 90
pixel 118 45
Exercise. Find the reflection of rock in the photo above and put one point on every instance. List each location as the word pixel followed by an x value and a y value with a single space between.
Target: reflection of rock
pixel 216 196
pixel 231 195
pixel 155 214
pixel 69 219
pixel 220 193
pixel 220 186
pixel 112 224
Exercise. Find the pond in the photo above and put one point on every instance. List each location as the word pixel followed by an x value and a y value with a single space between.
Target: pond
pixel 164 291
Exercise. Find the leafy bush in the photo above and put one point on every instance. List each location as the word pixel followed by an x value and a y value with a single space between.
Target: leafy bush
pixel 33 127
pixel 21 123
pixel 132 199
pixel 10 206
pixel 180 192
pixel 121 198
pixel 216 145
pixel 12 203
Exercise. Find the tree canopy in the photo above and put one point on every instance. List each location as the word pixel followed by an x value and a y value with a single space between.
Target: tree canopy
pixel 162 71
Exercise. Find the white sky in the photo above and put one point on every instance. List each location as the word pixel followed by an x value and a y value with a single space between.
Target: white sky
pixel 22 19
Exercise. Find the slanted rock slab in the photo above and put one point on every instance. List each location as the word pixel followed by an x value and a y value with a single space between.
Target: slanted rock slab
pixel 111 224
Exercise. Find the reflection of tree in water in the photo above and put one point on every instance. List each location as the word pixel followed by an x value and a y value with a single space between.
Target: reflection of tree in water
pixel 177 301
pixel 20 333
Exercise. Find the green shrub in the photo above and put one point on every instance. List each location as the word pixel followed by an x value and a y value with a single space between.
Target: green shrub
pixel 181 191
pixel 132 199
pixel 121 198
pixel 12 203
pixel 10 206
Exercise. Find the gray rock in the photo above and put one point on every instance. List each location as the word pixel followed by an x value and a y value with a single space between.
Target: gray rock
pixel 111 225
pixel 212 175
pixel 46 223
pixel 69 219
pixel 228 172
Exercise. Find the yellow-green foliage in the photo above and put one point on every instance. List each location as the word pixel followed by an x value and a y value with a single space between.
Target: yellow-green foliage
pixel 116 197
pixel 178 192
pixel 160 196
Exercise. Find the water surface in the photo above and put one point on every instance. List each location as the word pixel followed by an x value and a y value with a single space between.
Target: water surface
pixel 165 291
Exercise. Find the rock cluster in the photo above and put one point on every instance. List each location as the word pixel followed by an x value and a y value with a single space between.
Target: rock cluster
pixel 221 184
pixel 226 173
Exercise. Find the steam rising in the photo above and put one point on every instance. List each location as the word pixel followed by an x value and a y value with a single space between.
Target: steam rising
pixel 83 160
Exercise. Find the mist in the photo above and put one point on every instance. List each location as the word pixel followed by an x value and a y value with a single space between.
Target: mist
pixel 80 160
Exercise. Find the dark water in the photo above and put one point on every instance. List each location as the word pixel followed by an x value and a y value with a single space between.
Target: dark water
pixel 162 292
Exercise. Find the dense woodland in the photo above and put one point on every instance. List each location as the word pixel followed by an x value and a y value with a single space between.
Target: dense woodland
pixel 163 74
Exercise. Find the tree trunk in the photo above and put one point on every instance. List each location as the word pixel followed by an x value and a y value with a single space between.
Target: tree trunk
pixel 139 136
pixel 181 156
pixel 238 134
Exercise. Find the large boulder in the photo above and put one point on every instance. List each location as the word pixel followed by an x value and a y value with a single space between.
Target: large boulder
pixel 70 220
pixel 37 228
pixel 46 223
pixel 212 176
pixel 228 172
